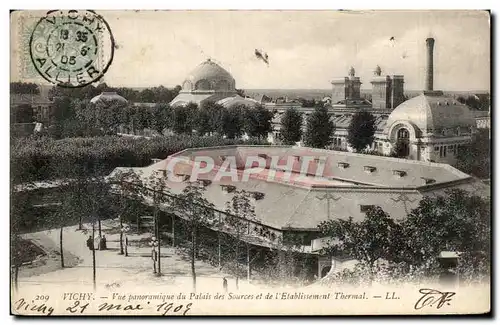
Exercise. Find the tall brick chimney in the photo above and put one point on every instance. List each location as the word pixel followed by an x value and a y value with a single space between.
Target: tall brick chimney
pixel 429 73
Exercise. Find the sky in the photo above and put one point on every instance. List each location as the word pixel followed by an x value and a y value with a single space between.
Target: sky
pixel 306 48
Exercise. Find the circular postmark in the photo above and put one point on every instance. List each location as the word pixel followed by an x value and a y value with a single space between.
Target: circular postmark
pixel 72 48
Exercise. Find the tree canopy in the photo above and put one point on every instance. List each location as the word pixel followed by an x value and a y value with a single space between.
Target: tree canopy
pixel 291 126
pixel 319 128
pixel 475 158
pixel 456 221
pixel 361 130
pixel 257 121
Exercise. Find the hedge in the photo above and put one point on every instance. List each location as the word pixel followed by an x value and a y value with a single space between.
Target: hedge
pixel 36 159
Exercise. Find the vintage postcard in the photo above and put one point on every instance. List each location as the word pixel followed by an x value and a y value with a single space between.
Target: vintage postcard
pixel 194 163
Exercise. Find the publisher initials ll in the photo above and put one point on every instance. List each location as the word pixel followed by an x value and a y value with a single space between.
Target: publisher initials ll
pixel 391 295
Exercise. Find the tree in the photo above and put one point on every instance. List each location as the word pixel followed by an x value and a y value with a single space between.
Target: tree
pixel 257 121
pixel 208 118
pixel 21 210
pixel 24 88
pixel 232 120
pixel 474 158
pixel 198 213
pixel 239 212
pixel 399 149
pixel 161 117
pixel 291 126
pixel 129 94
pixel 157 190
pixel 128 189
pixel 183 118
pixel 367 241
pixel 457 221
pixel 319 128
pixel 361 130
pixel 22 113
pixel 147 96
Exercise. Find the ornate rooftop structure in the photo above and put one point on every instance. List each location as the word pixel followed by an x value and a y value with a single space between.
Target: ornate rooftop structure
pixel 209 82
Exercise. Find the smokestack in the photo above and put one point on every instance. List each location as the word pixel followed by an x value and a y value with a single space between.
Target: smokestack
pixel 429 73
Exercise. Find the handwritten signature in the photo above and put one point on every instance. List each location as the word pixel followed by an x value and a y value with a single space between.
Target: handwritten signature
pixel 431 297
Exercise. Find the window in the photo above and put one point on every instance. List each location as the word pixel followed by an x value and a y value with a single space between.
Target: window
pixel 364 208
pixel 343 165
pixel 369 169
pixel 428 180
pixel 400 173
pixel 403 134
pixel 228 188
pixel 257 195
pixel 204 182
pixel 444 151
pixel 436 148
pixel 440 151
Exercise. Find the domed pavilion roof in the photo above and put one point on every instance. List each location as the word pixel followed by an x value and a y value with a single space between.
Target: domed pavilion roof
pixel 432 112
pixel 109 97
pixel 209 76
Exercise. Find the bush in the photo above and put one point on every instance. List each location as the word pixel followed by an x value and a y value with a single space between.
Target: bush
pixel 35 159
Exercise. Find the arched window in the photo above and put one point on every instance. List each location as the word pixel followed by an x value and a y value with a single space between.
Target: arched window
pixel 202 85
pixel 403 133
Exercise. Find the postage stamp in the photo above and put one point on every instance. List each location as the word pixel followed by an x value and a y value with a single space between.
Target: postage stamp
pixel 213 163
pixel 69 48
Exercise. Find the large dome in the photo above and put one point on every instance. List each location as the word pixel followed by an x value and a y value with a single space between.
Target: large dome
pixel 209 76
pixel 433 113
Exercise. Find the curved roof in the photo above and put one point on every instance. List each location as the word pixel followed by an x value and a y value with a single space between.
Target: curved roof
pixel 432 112
pixel 108 97
pixel 236 101
pixel 209 76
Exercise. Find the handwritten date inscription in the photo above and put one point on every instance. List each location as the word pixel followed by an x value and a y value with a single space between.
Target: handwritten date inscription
pixel 432 297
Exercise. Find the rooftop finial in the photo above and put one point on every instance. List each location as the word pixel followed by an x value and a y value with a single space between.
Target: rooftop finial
pixel 352 72
pixel 377 71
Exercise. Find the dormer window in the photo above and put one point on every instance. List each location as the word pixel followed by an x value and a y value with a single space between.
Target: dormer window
pixel 184 177
pixel 228 188
pixel 366 207
pixel 400 173
pixel 343 165
pixel 204 182
pixel 428 181
pixel 369 169
pixel 257 195
pixel 161 172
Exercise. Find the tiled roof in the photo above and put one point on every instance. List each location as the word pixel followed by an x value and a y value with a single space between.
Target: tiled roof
pixel 303 204
pixel 342 121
